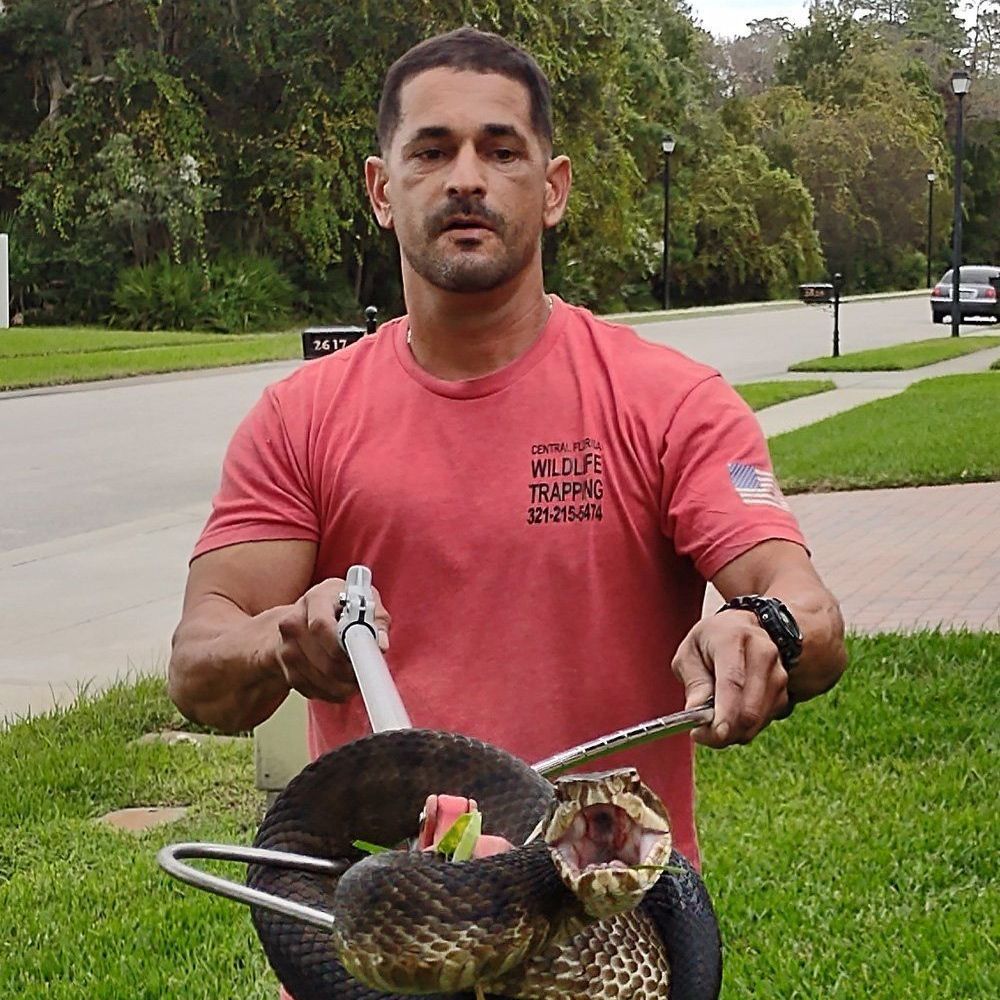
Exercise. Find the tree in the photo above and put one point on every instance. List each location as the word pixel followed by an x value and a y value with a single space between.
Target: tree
pixel 748 63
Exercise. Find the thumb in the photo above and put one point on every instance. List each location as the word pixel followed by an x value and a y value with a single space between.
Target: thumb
pixel 690 669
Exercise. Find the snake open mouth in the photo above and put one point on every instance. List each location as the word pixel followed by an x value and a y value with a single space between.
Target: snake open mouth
pixel 609 837
pixel 605 836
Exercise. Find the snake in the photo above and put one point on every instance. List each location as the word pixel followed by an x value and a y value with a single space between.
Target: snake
pixel 592 902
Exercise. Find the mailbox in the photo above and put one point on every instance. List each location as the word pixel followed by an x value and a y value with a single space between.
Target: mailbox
pixel 318 341
pixel 815 293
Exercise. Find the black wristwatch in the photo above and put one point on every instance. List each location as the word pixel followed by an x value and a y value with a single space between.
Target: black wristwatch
pixel 780 624
pixel 777 621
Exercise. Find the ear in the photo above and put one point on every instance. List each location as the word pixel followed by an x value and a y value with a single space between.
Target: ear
pixel 558 181
pixel 377 182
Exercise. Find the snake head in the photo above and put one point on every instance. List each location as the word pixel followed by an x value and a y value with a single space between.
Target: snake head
pixel 609 838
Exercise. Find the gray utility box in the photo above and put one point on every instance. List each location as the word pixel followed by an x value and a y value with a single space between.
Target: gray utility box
pixel 816 293
pixel 280 749
pixel 318 341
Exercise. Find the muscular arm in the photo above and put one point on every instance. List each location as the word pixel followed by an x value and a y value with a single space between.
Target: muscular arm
pixel 224 668
pixel 731 656
pixel 252 629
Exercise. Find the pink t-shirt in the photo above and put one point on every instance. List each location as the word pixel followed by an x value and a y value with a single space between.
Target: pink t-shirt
pixel 540 535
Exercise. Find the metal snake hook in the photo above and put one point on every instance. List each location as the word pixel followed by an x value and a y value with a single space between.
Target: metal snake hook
pixel 386 711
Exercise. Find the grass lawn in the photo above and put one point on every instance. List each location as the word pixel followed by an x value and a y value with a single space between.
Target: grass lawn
pixel 58 356
pixel 762 394
pixel 84 910
pixel 849 851
pixel 940 430
pixel 899 357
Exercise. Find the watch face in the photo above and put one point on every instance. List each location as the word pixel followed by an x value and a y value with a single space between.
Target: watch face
pixel 784 616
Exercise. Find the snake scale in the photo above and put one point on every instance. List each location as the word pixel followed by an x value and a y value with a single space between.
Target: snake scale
pixel 529 937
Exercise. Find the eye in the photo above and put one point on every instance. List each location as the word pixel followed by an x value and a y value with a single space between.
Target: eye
pixel 428 155
pixel 505 155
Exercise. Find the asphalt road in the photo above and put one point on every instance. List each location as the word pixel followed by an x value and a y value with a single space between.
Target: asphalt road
pixel 105 489
pixel 100 456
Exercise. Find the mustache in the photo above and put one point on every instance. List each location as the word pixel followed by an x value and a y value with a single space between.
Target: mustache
pixel 438 221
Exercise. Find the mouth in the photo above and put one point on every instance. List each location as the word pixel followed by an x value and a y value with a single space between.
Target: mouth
pixel 467 226
pixel 606 836
pixel 609 838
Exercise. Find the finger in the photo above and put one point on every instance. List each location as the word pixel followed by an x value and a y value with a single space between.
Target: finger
pixel 383 621
pixel 689 668
pixel 320 608
pixel 728 660
pixel 699 685
pixel 760 689
pixel 296 679
pixel 311 663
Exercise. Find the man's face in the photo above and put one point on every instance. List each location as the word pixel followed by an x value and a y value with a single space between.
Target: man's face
pixel 465 182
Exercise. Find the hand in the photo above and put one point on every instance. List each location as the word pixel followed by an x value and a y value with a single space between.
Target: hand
pixel 308 652
pixel 731 656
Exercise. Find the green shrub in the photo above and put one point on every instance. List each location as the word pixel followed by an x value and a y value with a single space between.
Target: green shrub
pixel 247 293
pixel 160 296
pixel 237 294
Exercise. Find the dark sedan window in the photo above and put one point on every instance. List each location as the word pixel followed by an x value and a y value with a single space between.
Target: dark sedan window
pixel 973 275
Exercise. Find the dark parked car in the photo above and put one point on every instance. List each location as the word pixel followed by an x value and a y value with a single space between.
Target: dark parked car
pixel 978 291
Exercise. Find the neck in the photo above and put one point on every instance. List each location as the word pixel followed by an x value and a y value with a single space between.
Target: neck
pixel 463 335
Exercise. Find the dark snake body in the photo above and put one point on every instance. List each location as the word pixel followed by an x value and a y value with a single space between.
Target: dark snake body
pixel 374 789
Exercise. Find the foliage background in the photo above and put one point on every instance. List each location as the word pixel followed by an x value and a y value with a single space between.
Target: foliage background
pixel 208 144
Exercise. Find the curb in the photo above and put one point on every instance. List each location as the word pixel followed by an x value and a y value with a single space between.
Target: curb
pixel 696 312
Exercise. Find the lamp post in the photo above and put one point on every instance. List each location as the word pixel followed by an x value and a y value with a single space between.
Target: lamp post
pixel 960 84
pixel 668 147
pixel 931 178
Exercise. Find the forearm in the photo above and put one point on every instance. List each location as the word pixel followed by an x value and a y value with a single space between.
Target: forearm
pixel 824 656
pixel 224 670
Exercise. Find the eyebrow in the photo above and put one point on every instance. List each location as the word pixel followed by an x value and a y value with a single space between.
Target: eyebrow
pixel 495 130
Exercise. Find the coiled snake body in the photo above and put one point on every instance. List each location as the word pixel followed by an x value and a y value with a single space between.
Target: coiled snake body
pixel 408 922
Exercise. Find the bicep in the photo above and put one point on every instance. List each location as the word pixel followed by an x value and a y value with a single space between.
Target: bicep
pixel 252 576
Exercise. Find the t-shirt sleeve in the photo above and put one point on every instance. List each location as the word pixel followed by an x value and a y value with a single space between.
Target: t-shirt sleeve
pixel 264 493
pixel 720 495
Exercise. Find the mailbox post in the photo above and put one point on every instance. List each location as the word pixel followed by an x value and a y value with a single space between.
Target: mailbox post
pixel 819 293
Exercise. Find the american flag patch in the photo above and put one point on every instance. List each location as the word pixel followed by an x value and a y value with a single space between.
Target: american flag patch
pixel 756 486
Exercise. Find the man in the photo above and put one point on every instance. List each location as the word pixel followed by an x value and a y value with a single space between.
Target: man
pixel 540 494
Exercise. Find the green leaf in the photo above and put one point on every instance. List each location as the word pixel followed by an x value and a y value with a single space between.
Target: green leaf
pixel 467 844
pixel 364 845
pixel 455 839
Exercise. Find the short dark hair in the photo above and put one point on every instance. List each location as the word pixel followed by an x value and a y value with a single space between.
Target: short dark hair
pixel 473 51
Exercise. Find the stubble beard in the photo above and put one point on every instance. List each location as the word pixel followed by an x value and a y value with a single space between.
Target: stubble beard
pixel 451 268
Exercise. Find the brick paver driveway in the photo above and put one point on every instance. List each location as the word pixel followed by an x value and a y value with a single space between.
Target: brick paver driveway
pixel 909 558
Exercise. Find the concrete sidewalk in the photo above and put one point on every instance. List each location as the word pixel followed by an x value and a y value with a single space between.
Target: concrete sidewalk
pixel 856 388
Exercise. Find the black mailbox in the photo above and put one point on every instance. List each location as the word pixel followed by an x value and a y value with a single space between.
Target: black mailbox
pixel 318 341
pixel 815 293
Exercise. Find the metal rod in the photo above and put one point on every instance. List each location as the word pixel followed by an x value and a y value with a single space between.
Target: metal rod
pixel 838 280
pixel 169 857
pixel 4 283
pixel 382 702
pixel 623 739
pixel 666 230
pixel 359 640
pixel 930 225
pixel 956 247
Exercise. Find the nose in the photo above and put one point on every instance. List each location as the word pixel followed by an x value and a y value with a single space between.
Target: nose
pixel 466 176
